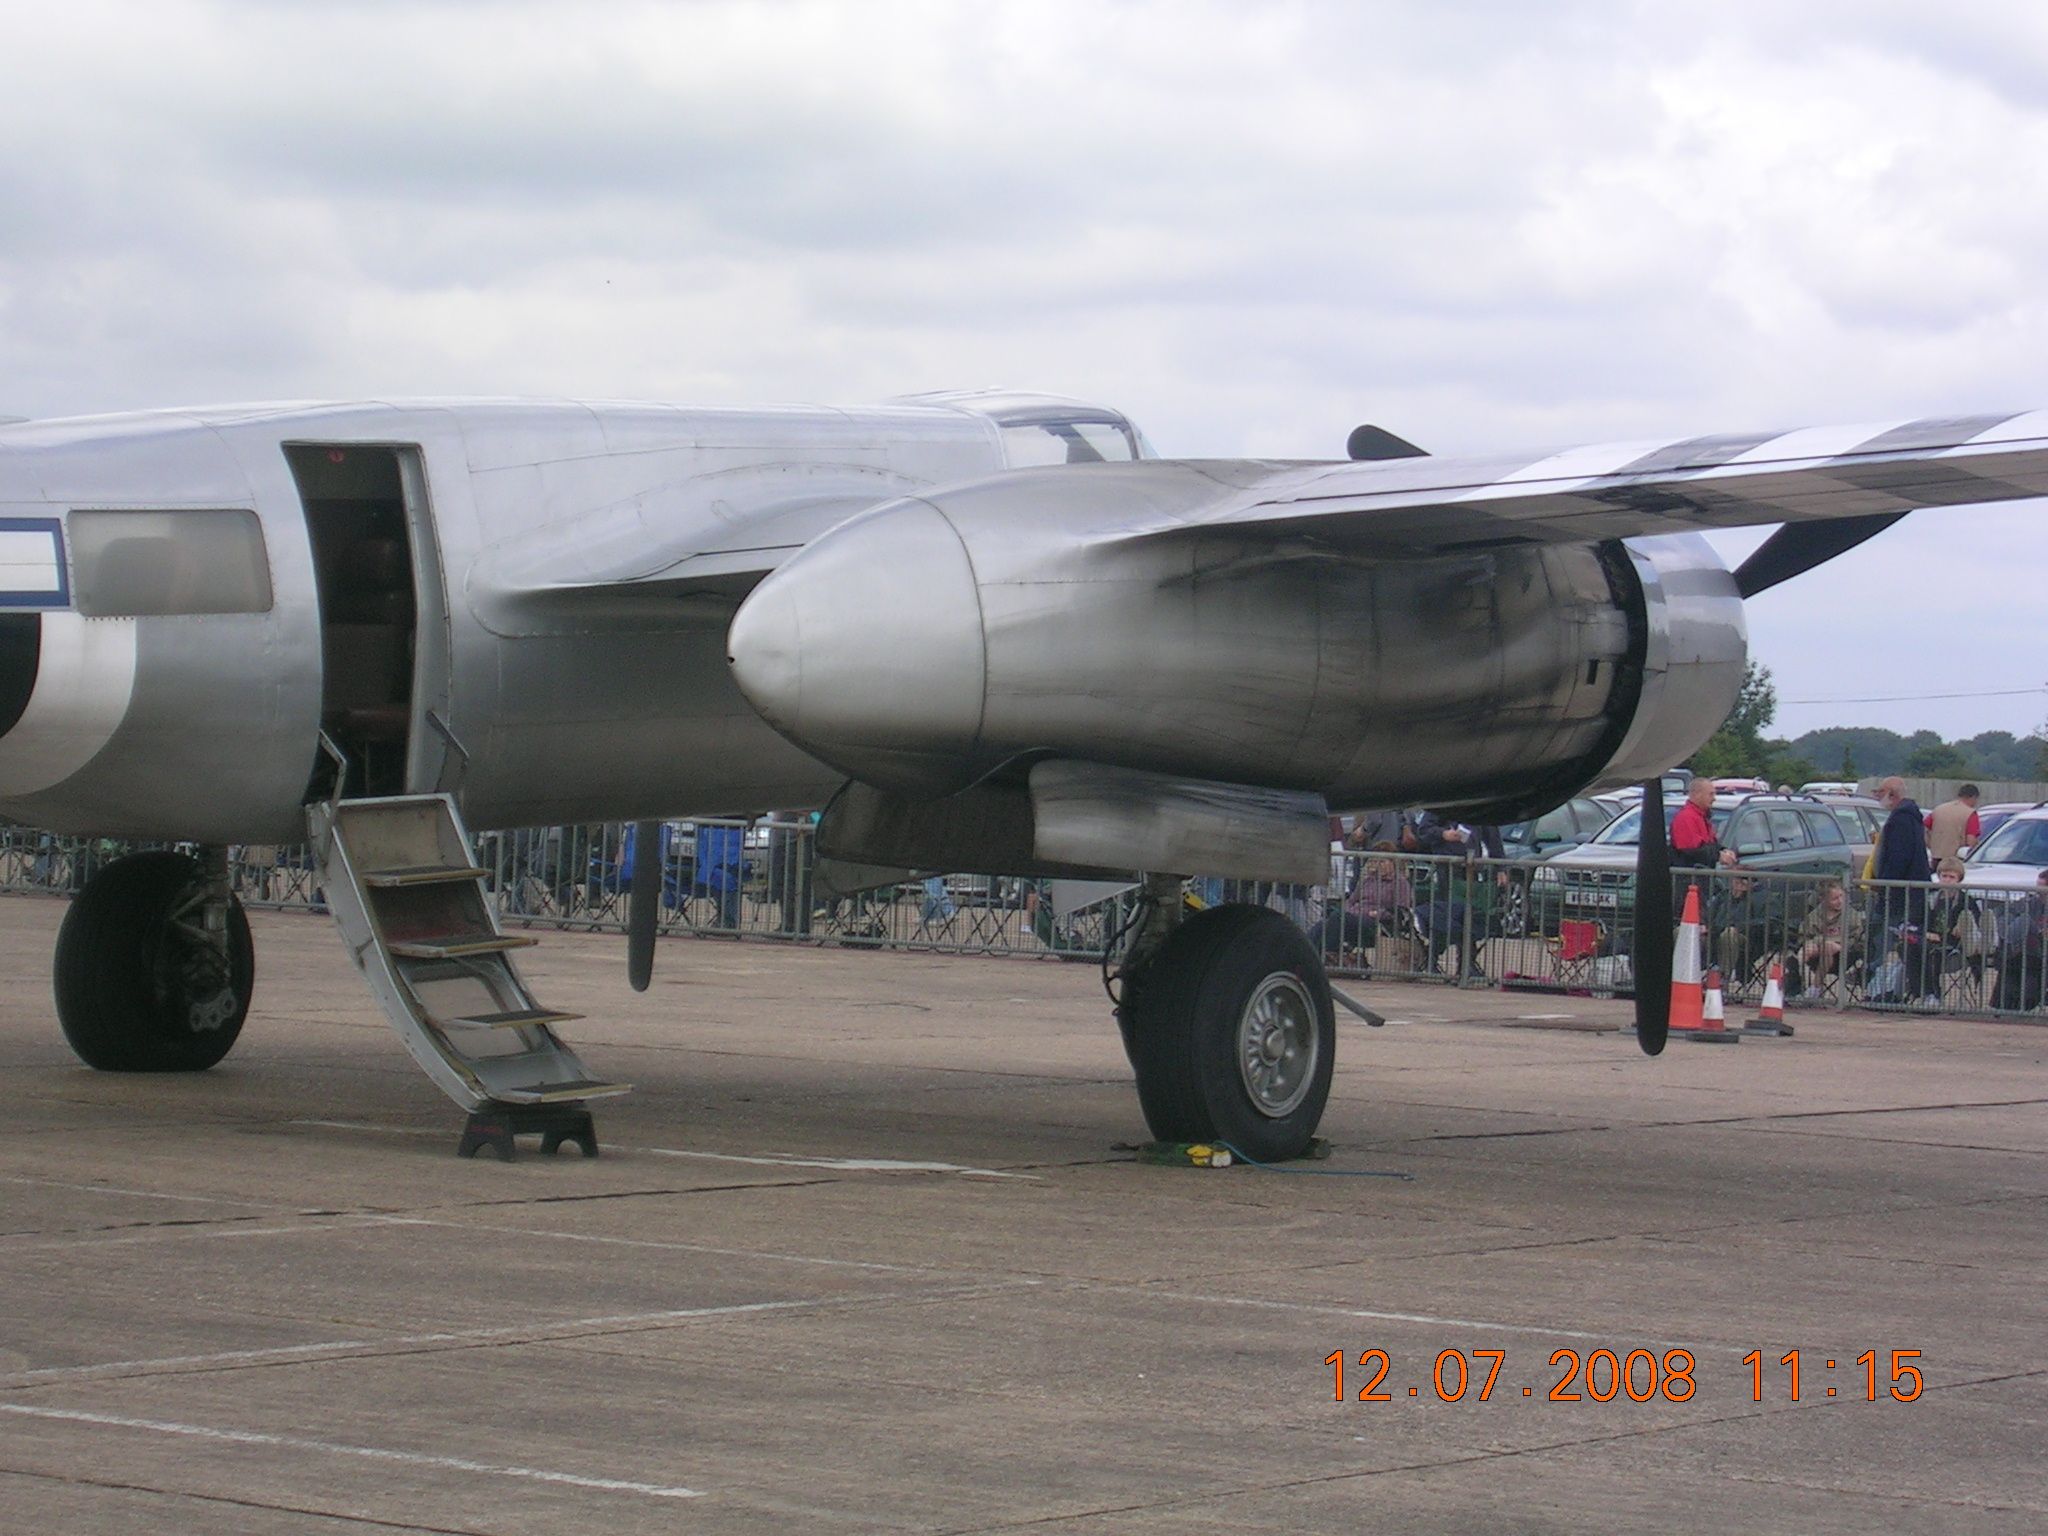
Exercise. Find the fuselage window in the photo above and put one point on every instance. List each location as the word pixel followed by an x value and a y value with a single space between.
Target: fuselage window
pixel 147 564
pixel 1067 442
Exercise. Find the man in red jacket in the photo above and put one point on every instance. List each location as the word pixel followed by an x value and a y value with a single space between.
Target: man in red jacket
pixel 1692 832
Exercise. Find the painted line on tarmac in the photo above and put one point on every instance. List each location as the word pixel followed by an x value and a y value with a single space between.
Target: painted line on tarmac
pixel 850 1164
pixel 340 1448
pixel 96 1238
pixel 560 1331
pixel 145 1194
pixel 764 1254
pixel 764 1159
pixel 1427 1320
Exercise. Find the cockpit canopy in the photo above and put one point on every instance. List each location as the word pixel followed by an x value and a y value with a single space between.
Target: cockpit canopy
pixel 1038 430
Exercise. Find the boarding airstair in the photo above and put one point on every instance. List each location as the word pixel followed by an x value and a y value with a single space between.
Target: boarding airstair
pixel 412 907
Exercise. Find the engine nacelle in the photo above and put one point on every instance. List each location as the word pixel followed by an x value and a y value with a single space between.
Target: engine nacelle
pixel 933 642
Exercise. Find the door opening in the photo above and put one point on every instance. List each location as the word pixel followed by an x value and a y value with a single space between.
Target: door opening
pixel 362 560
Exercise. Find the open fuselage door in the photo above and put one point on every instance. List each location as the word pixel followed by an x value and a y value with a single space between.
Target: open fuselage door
pixel 383 622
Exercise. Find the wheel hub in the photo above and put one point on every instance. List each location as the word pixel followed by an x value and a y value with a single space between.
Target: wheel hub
pixel 1276 1045
pixel 214 1012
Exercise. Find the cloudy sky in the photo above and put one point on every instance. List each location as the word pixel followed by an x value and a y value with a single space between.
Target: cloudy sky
pixel 1250 225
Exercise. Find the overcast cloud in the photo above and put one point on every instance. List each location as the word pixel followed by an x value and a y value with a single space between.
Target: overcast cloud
pixel 1249 225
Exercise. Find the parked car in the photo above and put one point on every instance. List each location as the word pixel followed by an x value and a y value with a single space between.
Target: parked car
pixel 1672 780
pixel 1613 805
pixel 1579 820
pixel 1796 834
pixel 2012 857
pixel 1991 817
pixel 1860 816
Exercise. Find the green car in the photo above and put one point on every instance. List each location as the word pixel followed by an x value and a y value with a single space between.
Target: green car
pixel 1794 834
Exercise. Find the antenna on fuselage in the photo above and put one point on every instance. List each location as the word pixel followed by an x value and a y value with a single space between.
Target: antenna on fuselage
pixel 1370 442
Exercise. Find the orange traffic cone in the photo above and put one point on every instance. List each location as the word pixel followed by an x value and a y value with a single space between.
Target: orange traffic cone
pixel 1770 1017
pixel 1686 998
pixel 1713 1013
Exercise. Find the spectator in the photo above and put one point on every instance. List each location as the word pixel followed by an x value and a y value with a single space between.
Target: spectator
pixel 1378 827
pixel 1898 911
pixel 1953 826
pixel 1457 889
pixel 1380 901
pixel 1693 841
pixel 1740 916
pixel 938 903
pixel 1822 940
pixel 1901 851
pixel 1957 925
pixel 2023 949
pixel 1433 835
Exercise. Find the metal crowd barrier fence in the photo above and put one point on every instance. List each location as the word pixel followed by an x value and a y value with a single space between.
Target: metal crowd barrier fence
pixel 1453 920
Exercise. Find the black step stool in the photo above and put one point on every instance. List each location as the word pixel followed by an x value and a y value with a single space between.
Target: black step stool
pixel 496 1125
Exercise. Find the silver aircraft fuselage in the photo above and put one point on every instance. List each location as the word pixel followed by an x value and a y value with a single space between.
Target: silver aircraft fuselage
pixel 206 725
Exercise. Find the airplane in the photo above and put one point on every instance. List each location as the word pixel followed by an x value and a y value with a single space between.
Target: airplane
pixel 987 631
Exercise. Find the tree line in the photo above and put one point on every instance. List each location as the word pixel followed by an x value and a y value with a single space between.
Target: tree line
pixel 1740 749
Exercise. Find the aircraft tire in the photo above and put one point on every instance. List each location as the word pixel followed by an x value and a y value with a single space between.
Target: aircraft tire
pixel 134 994
pixel 1232 1034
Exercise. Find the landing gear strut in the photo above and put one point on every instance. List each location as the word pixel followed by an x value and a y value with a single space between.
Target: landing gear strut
pixel 154 965
pixel 1229 1026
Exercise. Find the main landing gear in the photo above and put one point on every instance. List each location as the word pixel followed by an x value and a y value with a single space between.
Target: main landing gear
pixel 1227 1019
pixel 154 965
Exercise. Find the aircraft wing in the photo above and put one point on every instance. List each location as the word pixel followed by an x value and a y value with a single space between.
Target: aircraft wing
pixel 1418 507
pixel 619 566
pixel 634 562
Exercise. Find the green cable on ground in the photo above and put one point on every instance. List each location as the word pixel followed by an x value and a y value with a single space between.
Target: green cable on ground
pixel 1318 1148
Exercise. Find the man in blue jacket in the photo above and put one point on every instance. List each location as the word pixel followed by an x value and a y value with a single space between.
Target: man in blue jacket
pixel 1897 916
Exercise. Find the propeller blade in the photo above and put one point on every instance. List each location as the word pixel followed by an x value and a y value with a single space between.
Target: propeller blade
pixel 1653 924
pixel 643 903
pixel 1797 548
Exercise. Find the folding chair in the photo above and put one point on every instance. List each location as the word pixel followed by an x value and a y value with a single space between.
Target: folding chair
pixel 1573 951
pixel 1400 946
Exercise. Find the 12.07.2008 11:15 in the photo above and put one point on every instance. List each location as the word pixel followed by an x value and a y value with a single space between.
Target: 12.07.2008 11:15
pixel 1605 1375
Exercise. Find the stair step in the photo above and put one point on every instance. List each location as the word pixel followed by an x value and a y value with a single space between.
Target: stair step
pixel 422 874
pixel 558 1093
pixel 456 944
pixel 413 903
pixel 516 1018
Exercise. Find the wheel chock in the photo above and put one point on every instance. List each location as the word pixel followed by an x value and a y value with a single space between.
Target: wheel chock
pixel 496 1125
pixel 1207 1154
pixel 1185 1154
